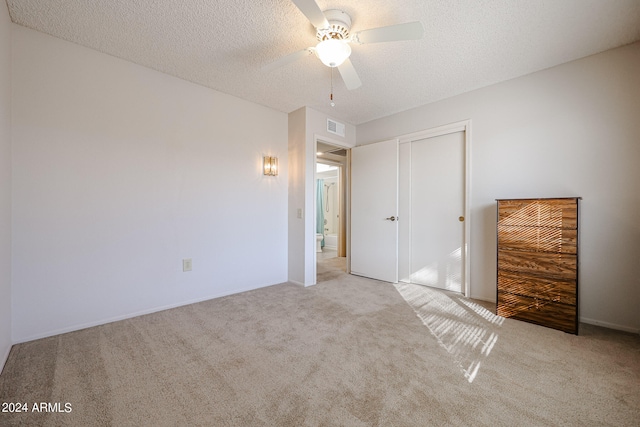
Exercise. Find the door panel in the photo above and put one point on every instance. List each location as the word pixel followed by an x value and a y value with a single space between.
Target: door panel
pixel 435 192
pixel 374 197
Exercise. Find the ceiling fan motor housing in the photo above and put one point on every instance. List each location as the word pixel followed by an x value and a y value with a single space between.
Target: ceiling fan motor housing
pixel 339 25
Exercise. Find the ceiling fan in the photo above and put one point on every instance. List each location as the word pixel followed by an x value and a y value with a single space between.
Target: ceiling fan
pixel 332 32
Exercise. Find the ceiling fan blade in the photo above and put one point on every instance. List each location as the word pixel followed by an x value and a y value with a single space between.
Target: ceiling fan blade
pixel 312 11
pixel 286 60
pixel 392 33
pixel 349 75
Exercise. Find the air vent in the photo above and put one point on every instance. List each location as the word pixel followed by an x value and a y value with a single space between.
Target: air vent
pixel 335 127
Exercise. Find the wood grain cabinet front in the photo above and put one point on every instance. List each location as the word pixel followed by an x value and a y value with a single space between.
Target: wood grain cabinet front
pixel 537 278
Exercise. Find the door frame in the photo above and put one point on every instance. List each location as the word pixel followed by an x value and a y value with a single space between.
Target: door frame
pixel 461 126
pixel 347 197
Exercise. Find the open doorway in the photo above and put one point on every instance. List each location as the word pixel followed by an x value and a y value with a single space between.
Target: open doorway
pixel 331 201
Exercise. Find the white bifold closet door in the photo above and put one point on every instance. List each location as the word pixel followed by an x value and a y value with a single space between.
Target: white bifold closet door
pixel 431 211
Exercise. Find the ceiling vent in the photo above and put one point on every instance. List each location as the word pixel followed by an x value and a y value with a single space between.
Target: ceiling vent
pixel 335 128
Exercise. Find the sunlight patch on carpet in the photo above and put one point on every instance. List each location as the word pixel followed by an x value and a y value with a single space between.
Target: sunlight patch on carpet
pixel 466 330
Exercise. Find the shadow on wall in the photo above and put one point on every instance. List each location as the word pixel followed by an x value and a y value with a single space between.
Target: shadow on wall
pixel 466 330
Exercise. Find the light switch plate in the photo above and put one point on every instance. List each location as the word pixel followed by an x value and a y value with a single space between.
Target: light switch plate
pixel 186 264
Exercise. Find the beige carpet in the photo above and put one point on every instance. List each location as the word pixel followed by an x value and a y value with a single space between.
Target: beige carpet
pixel 347 352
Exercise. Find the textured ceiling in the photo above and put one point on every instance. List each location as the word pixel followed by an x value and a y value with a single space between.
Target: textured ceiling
pixel 222 44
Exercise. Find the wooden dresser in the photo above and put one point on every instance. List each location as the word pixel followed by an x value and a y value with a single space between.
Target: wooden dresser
pixel 538 261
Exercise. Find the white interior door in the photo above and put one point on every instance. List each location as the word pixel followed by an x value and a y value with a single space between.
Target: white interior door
pixel 374 209
pixel 432 211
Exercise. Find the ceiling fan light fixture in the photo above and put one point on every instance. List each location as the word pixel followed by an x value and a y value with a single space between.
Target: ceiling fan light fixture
pixel 333 52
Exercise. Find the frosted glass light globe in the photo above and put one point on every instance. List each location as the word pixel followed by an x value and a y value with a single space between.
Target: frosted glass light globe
pixel 333 52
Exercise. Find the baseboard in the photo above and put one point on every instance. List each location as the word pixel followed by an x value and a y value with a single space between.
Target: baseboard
pixel 609 325
pixel 5 356
pixel 584 320
pixel 491 300
pixel 3 360
pixel 136 314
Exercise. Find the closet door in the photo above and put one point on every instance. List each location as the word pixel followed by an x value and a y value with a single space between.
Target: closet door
pixel 431 202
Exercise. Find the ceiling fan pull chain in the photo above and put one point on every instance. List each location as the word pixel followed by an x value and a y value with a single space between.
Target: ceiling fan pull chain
pixel 333 104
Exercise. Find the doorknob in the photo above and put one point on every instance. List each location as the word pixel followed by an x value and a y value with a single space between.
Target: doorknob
pixel 461 218
pixel 391 218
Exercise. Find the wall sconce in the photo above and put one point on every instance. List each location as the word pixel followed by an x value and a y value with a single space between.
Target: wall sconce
pixel 270 165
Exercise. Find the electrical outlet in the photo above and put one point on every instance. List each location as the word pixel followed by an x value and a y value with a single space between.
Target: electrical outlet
pixel 300 213
pixel 187 264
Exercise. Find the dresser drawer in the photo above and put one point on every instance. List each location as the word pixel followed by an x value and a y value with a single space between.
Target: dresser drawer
pixel 538 239
pixel 551 290
pixel 541 312
pixel 538 264
pixel 559 213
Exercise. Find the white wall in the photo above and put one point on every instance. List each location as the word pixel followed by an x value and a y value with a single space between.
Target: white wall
pixel 305 127
pixel 5 184
pixel 120 172
pixel 296 173
pixel 571 130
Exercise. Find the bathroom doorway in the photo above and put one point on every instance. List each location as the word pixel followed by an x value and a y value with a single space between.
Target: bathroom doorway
pixel 331 201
